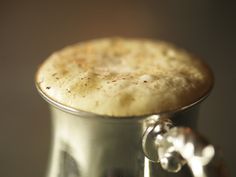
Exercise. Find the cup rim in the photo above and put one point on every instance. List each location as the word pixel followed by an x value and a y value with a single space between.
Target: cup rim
pixel 87 114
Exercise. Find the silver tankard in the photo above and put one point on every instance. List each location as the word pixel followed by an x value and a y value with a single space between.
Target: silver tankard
pixel 161 141
pixel 166 144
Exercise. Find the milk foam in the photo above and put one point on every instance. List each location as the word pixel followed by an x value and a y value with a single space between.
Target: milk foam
pixel 124 77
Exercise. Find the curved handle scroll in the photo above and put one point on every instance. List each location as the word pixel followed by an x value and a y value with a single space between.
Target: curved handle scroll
pixel 177 146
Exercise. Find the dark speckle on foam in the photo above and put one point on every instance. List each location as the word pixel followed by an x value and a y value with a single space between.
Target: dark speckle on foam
pixel 125 76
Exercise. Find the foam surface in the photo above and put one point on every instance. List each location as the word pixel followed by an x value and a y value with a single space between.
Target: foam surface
pixel 124 77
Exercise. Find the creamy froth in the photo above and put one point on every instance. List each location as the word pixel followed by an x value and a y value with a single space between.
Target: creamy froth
pixel 123 77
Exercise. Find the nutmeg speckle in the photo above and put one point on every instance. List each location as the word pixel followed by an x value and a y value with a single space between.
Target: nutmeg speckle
pixel 124 77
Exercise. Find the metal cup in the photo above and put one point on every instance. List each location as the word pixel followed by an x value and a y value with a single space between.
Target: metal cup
pixel 89 145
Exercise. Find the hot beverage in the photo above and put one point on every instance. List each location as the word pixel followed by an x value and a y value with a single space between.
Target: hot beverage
pixel 124 77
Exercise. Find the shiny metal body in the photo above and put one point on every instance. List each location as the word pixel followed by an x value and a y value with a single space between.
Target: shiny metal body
pixel 104 147
pixel 89 145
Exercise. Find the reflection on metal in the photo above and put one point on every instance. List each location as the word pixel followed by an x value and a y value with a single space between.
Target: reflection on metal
pixel 153 135
pixel 177 146
pixel 195 150
pixel 68 166
pixel 146 168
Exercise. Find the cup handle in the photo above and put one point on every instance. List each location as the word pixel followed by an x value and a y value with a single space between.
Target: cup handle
pixel 174 147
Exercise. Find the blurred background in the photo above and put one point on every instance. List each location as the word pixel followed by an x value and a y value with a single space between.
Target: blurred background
pixel 31 30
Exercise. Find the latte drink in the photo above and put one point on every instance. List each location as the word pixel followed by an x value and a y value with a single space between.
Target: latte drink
pixel 103 94
pixel 124 77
